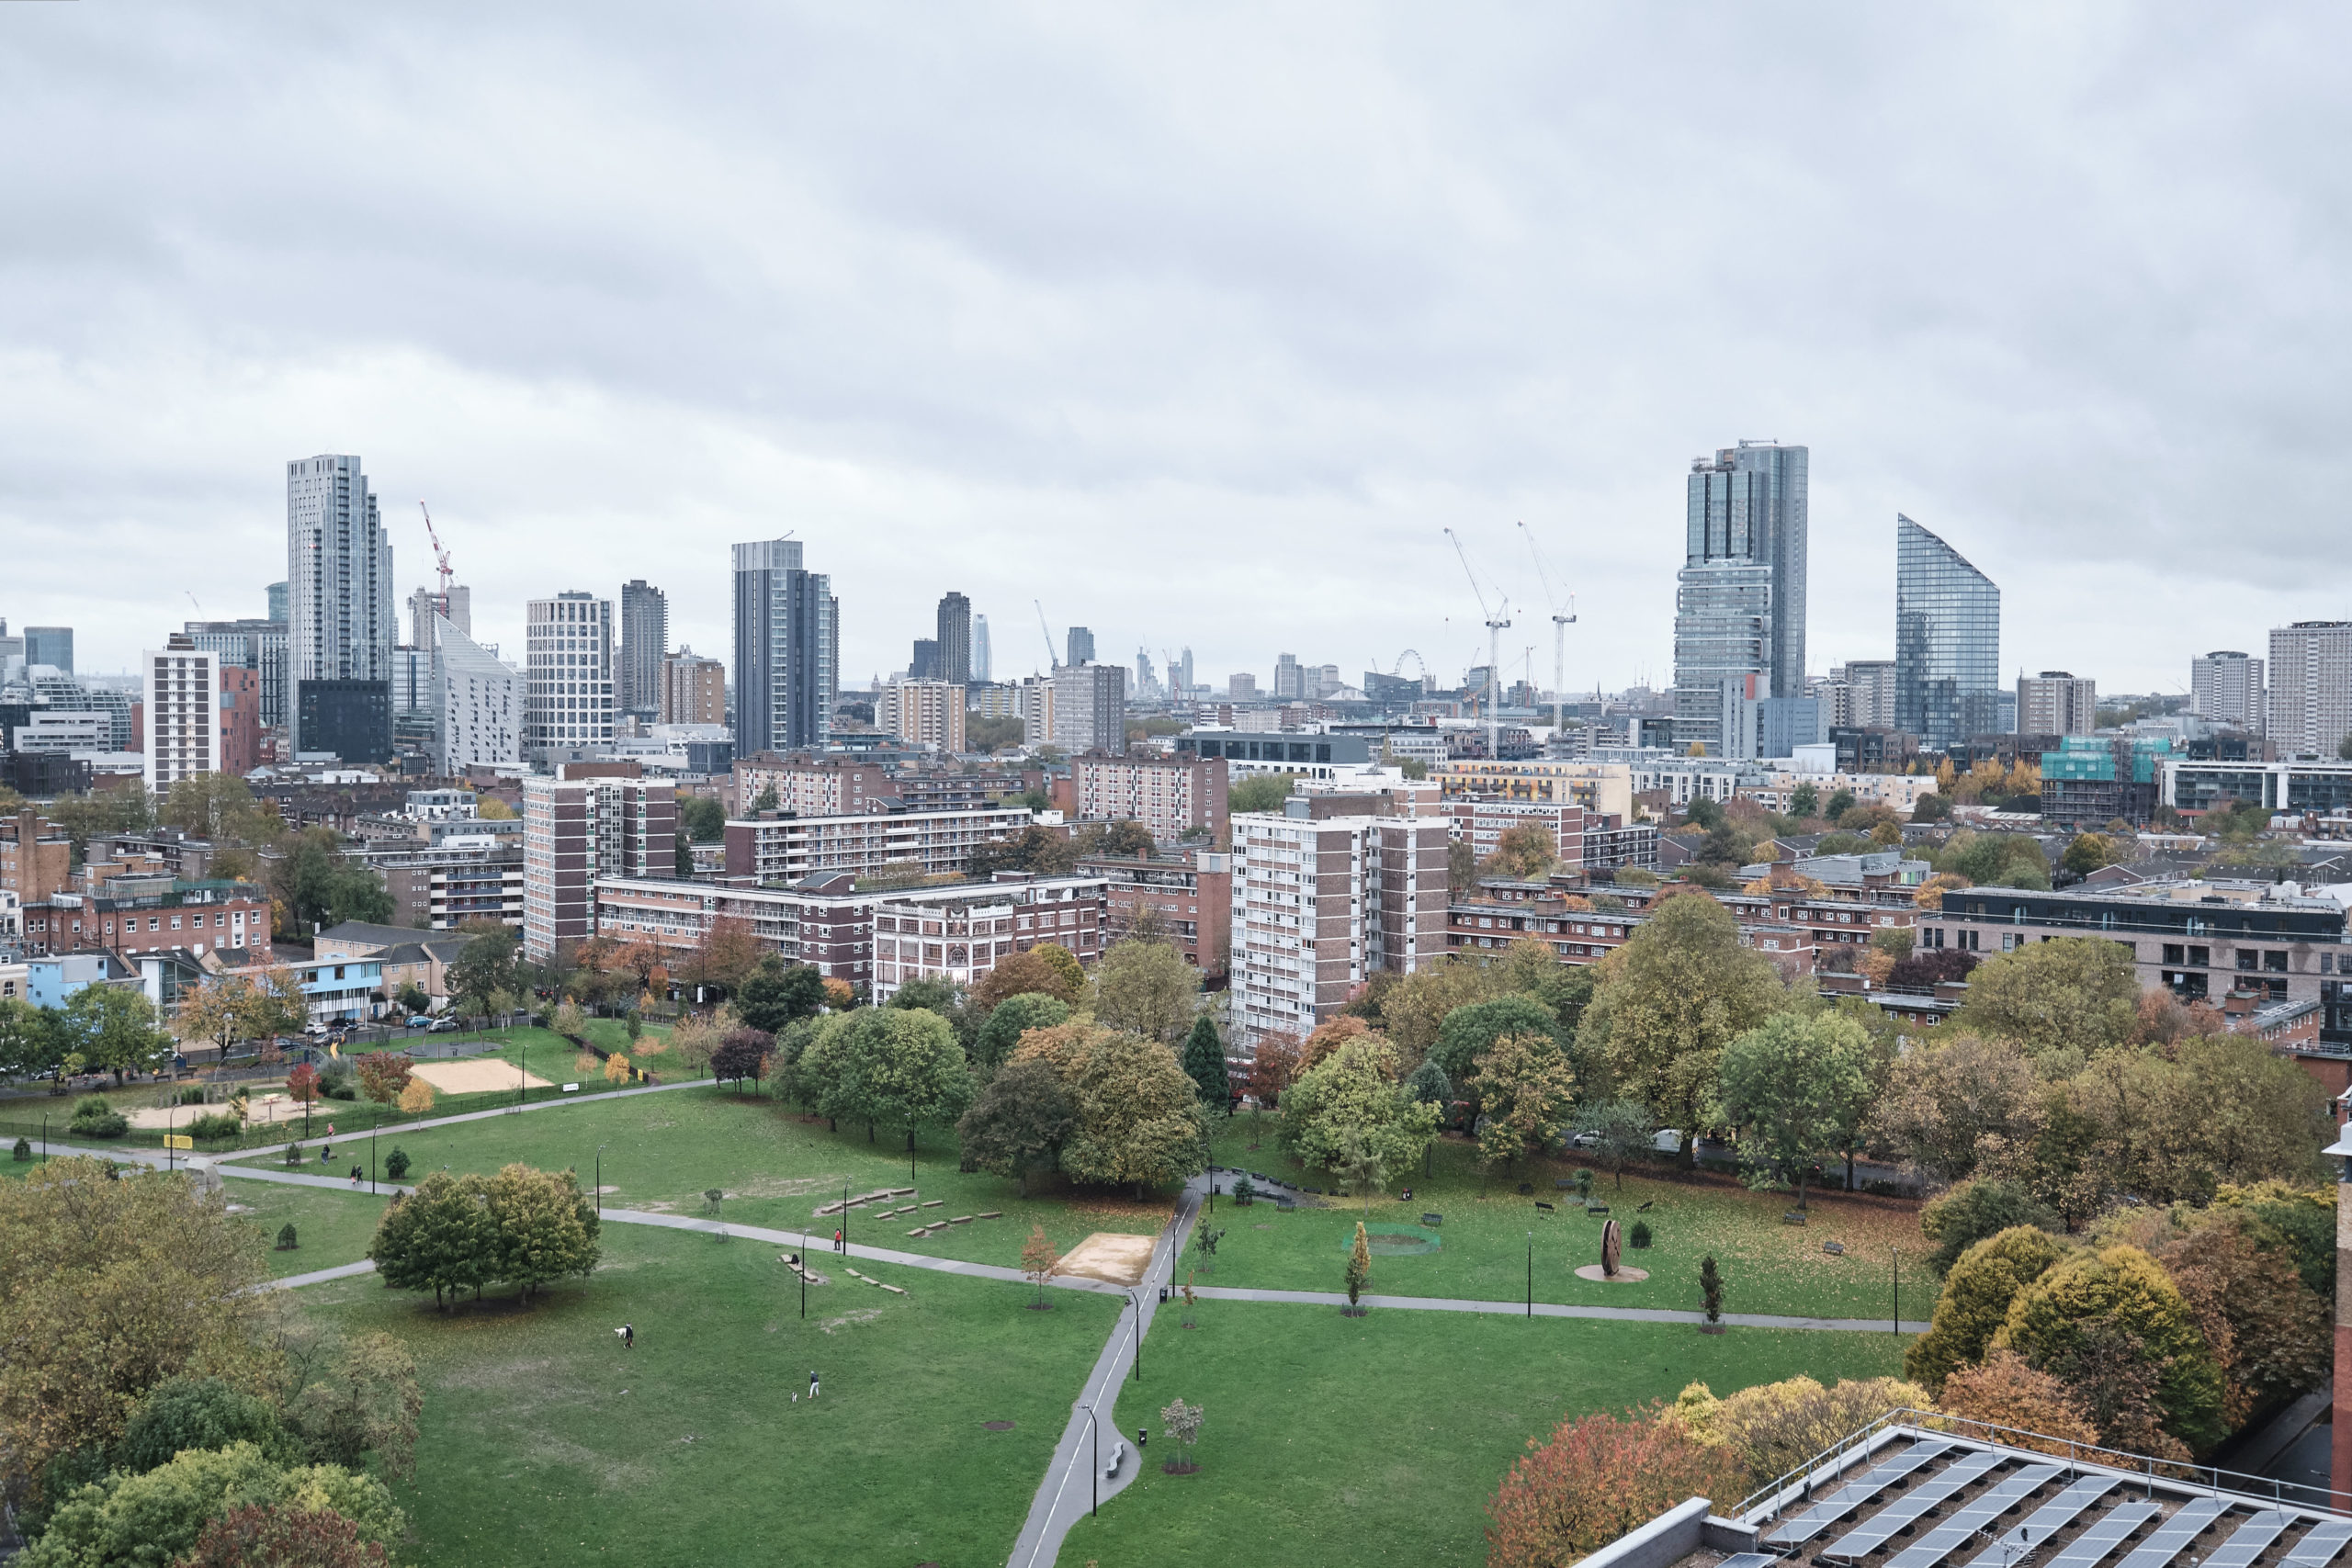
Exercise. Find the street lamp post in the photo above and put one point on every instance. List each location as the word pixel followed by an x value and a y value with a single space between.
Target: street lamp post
pixel 845 1219
pixel 1898 1288
pixel 1530 1274
pixel 376 1121
pixel 1094 1435
pixel 600 1182
pixel 1138 1306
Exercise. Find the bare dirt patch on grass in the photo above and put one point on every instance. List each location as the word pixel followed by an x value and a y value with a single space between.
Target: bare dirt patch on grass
pixel 1111 1256
pixel 476 1077
pixel 851 1319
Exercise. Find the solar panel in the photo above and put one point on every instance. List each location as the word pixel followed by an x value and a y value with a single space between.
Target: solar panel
pixel 1879 1527
pixel 1748 1560
pixel 2168 1540
pixel 1854 1493
pixel 2250 1538
pixel 2322 1546
pixel 2047 1521
pixel 2100 1542
pixel 1957 1532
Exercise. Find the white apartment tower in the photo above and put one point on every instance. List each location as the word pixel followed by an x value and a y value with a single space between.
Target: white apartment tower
pixel 2057 702
pixel 571 703
pixel 478 700
pixel 183 691
pixel 927 713
pixel 1322 903
pixel 342 622
pixel 2226 687
pixel 1089 708
pixel 2310 688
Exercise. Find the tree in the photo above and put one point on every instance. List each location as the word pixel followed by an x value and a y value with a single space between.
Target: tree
pixel 484 966
pixel 1471 1031
pixel 1974 1210
pixel 1181 1423
pixel 1266 791
pixel 188 1412
pixel 546 1226
pixel 1978 1292
pixel 318 887
pixel 775 995
pixel 2095 1321
pixel 742 1055
pixel 383 1073
pixel 1147 989
pixel 1359 1266
pixel 442 1235
pixel 617 1071
pixel 108 1287
pixel 1711 1289
pixel 1413 1010
pixel 159 1516
pixel 1947 1105
pixel 1009 1021
pixel 914 1072
pixel 929 993
pixel 1596 1479
pixel 1619 1129
pixel 1205 1064
pixel 365 1401
pixel 2087 853
pixel 1797 1086
pixel 1529 1092
pixel 1775 1427
pixel 702 819
pixel 302 1084
pixel 114 1030
pixel 234 1007
pixel 1524 854
pixel 1348 1113
pixel 2004 1392
pixel 696 1039
pixel 2077 994
pixel 416 1098
pixel 218 806
pixel 284 1536
pixel 726 955
pixel 1127 839
pixel 1138 1117
pixel 1670 999
pixel 1273 1062
pixel 1039 1261
pixel 1032 972
pixel 1018 1123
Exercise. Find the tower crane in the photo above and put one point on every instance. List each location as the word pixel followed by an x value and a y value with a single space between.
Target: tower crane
pixel 440 556
pixel 1053 661
pixel 1498 618
pixel 1560 625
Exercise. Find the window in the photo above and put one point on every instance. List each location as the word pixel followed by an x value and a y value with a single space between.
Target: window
pixel 2273 961
pixel 2176 954
pixel 2200 957
pixel 2246 958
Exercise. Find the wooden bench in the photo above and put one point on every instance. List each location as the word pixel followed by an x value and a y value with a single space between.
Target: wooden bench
pixel 961 1219
pixel 993 1214
pixel 931 1203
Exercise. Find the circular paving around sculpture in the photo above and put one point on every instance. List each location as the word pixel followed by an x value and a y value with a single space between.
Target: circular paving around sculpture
pixel 1622 1277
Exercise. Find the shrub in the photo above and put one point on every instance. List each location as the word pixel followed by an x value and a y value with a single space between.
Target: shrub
pixel 1596 1478
pixel 90 1106
pixel 24 1150
pixel 1639 1235
pixel 342 1089
pixel 1710 1288
pixel 294 1154
pixel 109 1125
pixel 396 1163
pixel 192 1095
pixel 286 1242
pixel 1774 1427
pixel 1245 1192
pixel 1974 1210
pixel 1976 1301
pixel 221 1124
pixel 2007 1392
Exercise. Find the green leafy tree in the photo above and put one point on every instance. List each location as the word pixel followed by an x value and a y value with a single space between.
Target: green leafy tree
pixel 1205 1064
pixel 1266 791
pixel 1619 1130
pixel 2071 994
pixel 1009 1021
pixel 1803 801
pixel 914 1072
pixel 115 1029
pixel 1348 1113
pixel 189 1411
pixel 1978 1292
pixel 1018 1123
pixel 441 1236
pixel 2092 1304
pixel 1470 1032
pixel 1359 1266
pixel 1796 1087
pixel 1679 991
pixel 1138 1116
pixel 32 1039
pixel 546 1227
pixel 777 994
pixel 363 1401
pixel 766 800
pixel 483 968
pixel 1147 989
pixel 2087 853
pixel 1528 1092
pixel 159 1515
pixel 1974 1210
pixel 702 819
pixel 1946 1104
pixel 931 995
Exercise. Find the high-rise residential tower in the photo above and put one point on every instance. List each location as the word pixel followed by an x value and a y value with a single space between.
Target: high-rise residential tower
pixel 1739 602
pixel 2057 702
pixel 341 622
pixel 479 701
pixel 645 639
pixel 982 666
pixel 181 687
pixel 1082 645
pixel 2226 687
pixel 2310 688
pixel 569 710
pixel 1947 641
pixel 956 639
pixel 787 638
pixel 275 593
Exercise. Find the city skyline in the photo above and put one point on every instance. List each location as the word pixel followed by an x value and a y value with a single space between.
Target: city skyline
pixel 1311 358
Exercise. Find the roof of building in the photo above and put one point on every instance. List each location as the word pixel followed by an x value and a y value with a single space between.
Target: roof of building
pixel 355 933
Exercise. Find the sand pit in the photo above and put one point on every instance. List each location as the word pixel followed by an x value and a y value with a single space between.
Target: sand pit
pixel 259 1109
pixel 1110 1256
pixel 476 1078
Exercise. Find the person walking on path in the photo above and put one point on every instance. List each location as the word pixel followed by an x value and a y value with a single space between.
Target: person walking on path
pixel 837 1242
pixel 812 1383
pixel 355 1176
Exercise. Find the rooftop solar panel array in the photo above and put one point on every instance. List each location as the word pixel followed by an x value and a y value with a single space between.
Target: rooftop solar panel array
pixel 2100 1542
pixel 1854 1493
pixel 1879 1527
pixel 1966 1524
pixel 2322 1546
pixel 2168 1540
pixel 2048 1519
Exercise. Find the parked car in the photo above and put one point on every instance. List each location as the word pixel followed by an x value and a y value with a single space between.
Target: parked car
pixel 444 1025
pixel 420 1021
pixel 316 1027
pixel 1667 1140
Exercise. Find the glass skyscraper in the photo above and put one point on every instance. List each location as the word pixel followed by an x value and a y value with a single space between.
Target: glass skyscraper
pixel 787 642
pixel 1740 598
pixel 1947 641
pixel 341 627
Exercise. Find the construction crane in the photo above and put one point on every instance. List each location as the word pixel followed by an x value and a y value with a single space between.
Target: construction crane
pixel 1498 618
pixel 1053 661
pixel 440 556
pixel 191 599
pixel 1560 625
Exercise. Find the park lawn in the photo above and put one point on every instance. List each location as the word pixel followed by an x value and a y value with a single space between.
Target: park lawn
pixel 1768 1266
pixel 662 1152
pixel 1379 1439
pixel 545 1442
pixel 331 1227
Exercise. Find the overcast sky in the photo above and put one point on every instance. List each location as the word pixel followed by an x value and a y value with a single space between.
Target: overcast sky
pixel 1196 324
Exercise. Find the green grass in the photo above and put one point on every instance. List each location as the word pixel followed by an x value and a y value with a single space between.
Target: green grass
pixel 1378 1439
pixel 546 1443
pixel 332 1227
pixel 1768 1267
pixel 663 1151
